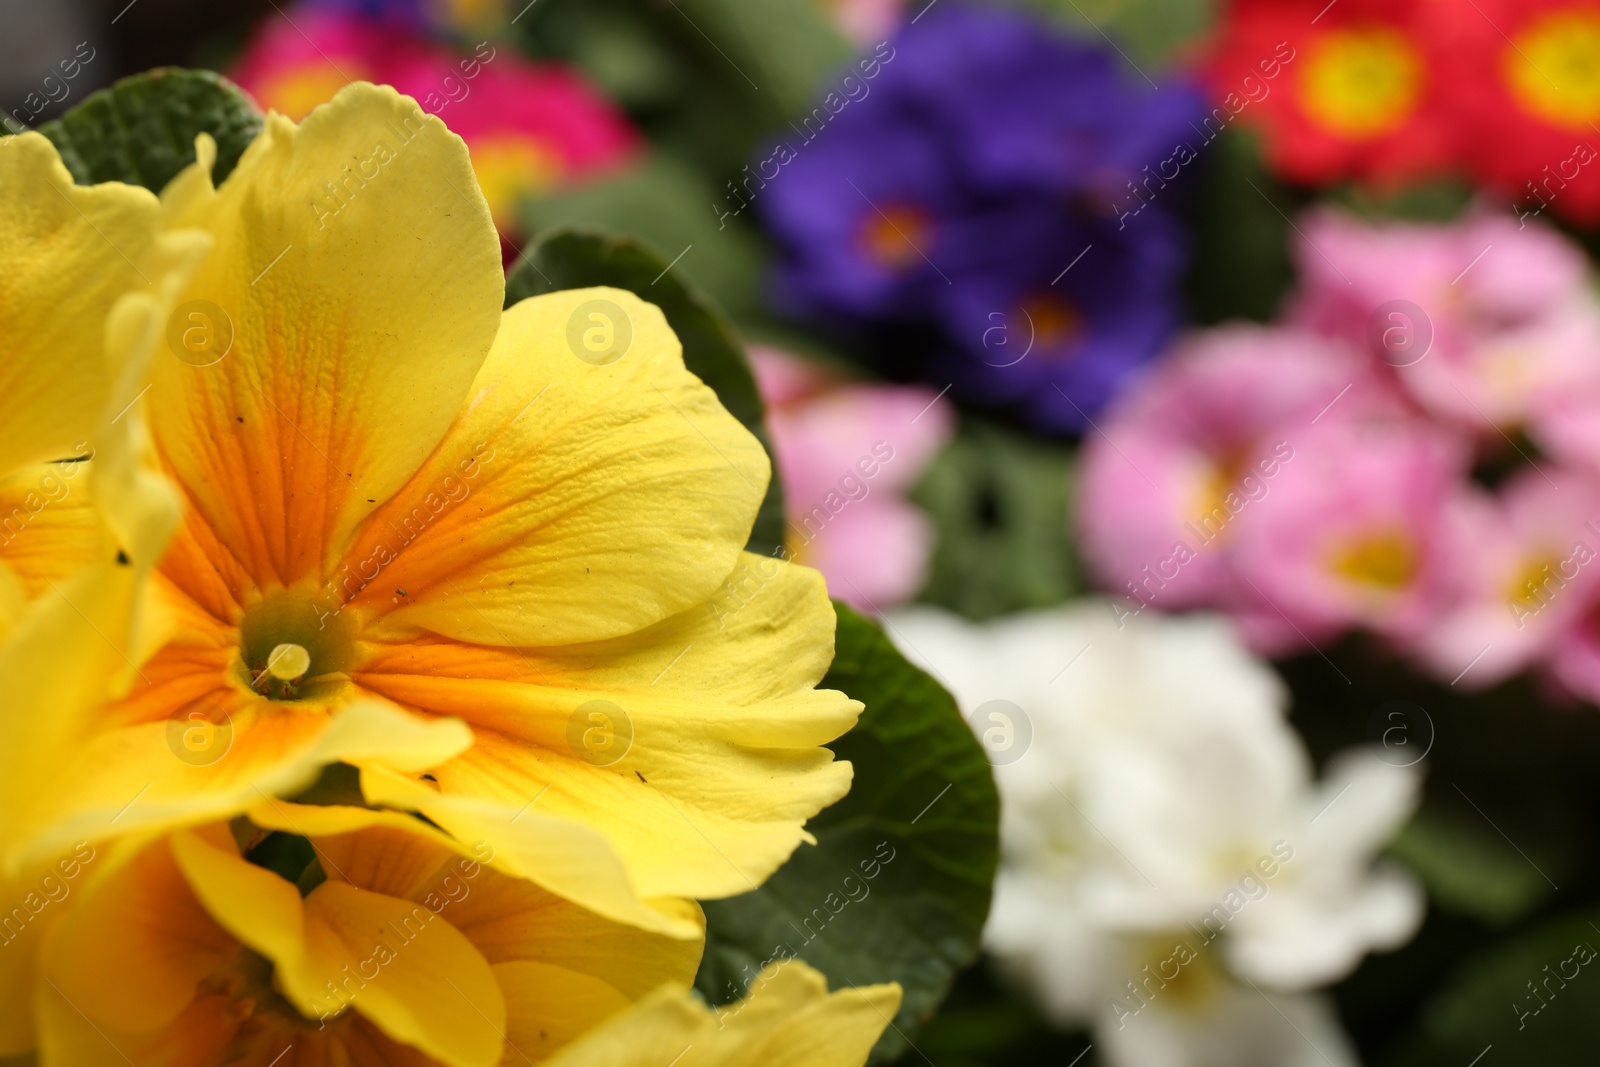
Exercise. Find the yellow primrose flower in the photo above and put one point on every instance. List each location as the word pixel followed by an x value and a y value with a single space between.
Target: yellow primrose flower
pixel 396 945
pixel 788 1020
pixel 530 521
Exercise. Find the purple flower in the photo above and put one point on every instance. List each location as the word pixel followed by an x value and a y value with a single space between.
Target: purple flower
pixel 986 204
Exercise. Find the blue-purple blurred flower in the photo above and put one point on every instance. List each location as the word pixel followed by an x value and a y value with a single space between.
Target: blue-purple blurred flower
pixel 932 206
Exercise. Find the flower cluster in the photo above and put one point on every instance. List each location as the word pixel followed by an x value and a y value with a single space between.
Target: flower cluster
pixel 1505 92
pixel 1171 875
pixel 464 818
pixel 1410 451
pixel 992 213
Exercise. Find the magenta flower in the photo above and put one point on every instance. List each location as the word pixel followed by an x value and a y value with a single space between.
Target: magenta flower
pixel 530 127
pixel 1521 570
pixel 1488 323
pixel 847 453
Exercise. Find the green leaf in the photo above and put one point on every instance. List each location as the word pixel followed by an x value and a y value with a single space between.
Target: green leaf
pixel 141 130
pixel 783 48
pixel 1239 219
pixel 1001 505
pixel 1469 869
pixel 897 888
pixel 673 208
pixel 575 259
pixel 1529 997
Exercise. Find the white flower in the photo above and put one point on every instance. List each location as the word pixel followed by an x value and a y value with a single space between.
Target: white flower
pixel 1171 874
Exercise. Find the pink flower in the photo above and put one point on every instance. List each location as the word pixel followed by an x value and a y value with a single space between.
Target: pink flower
pixel 1188 453
pixel 1352 536
pixel 1521 571
pixel 530 127
pixel 847 453
pixel 1514 326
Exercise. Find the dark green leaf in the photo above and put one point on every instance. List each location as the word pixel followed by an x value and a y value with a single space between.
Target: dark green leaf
pixel 575 259
pixel 1469 869
pixel 1001 504
pixel 141 130
pixel 914 844
pixel 1530 998
pixel 673 208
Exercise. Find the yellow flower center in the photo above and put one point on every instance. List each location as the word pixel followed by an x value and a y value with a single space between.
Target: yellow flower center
pixel 1553 68
pixel 1529 588
pixel 511 169
pixel 1361 83
pixel 1183 973
pixel 892 236
pixel 1384 561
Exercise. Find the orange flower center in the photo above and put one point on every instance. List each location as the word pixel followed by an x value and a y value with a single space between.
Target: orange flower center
pixel 1553 68
pixel 1361 83
pixel 1056 320
pixel 892 237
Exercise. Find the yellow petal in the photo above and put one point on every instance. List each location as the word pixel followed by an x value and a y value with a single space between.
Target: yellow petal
pixel 67 254
pixel 141 920
pixel 789 1020
pixel 409 972
pixel 561 856
pixel 547 1007
pixel 413 975
pixel 49 526
pixel 129 779
pixel 353 292
pixel 692 747
pixel 571 501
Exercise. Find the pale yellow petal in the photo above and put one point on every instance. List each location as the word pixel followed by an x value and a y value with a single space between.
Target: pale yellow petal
pixel 693 747
pixel 130 779
pixel 571 501
pixel 789 1020
pixel 67 254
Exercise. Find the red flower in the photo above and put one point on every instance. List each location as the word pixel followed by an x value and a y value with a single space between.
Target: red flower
pixel 1526 74
pixel 1350 89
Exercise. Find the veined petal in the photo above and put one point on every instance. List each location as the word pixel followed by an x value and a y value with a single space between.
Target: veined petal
pixel 789 1020
pixel 571 501
pixel 353 292
pixel 706 758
